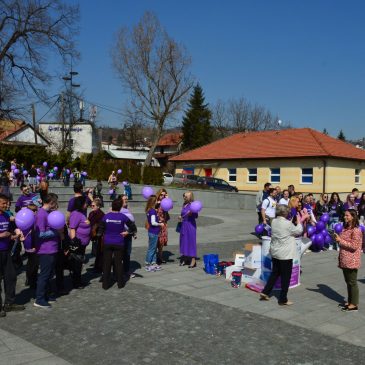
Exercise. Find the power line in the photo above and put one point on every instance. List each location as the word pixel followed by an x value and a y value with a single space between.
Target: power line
pixel 49 109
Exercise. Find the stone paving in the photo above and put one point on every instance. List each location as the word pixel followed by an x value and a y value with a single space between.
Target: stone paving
pixel 184 316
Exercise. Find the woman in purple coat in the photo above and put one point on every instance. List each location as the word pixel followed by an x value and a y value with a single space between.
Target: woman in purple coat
pixel 188 232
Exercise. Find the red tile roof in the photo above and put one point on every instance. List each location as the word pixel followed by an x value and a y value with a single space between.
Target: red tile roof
pixel 170 139
pixel 287 143
pixel 7 128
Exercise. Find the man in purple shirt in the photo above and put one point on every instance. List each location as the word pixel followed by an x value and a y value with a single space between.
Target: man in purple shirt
pixel 47 242
pixel 7 269
pixel 112 226
pixel 25 199
pixel 79 191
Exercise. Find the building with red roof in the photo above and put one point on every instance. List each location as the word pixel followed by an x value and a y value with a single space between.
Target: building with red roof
pixel 169 145
pixel 308 159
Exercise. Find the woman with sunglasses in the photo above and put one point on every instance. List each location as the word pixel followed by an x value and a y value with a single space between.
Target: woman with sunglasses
pixel 95 217
pixel 321 206
pixel 163 217
pixel 350 242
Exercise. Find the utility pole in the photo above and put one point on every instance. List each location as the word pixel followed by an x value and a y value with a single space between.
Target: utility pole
pixel 34 126
pixel 63 121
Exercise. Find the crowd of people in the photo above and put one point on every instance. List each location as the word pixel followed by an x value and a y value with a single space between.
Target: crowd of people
pixel 287 215
pixel 49 252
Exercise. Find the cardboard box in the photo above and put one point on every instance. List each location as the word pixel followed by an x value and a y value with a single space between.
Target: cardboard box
pixel 239 259
pixel 253 256
pixel 251 275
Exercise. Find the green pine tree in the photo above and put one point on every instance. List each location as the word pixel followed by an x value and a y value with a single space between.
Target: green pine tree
pixel 196 127
pixel 341 136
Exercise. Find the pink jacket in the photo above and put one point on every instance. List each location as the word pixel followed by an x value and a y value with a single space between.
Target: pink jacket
pixel 350 249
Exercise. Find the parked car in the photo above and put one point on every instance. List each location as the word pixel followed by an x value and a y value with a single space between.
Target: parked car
pixel 182 178
pixel 215 183
pixel 167 178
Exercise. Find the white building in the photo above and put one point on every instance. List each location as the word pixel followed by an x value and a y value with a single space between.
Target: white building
pixel 84 138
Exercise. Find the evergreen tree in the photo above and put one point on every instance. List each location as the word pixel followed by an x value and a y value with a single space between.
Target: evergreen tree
pixel 341 136
pixel 196 127
pixel 325 131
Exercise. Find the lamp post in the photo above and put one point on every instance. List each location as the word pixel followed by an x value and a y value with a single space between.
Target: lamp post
pixel 69 78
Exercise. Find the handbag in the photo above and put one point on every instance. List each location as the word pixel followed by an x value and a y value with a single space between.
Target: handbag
pixel 178 227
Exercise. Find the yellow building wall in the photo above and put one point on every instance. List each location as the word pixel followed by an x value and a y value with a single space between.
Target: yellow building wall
pixel 340 174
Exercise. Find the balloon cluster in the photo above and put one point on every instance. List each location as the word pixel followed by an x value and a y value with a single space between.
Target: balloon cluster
pixel 319 233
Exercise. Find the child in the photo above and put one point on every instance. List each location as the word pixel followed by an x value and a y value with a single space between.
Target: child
pixel 153 227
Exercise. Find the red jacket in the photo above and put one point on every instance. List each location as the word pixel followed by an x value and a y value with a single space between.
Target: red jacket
pixel 350 249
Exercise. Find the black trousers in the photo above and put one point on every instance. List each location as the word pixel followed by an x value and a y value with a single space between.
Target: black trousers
pixel 8 277
pixel 76 267
pixel 110 252
pixel 32 269
pixel 282 268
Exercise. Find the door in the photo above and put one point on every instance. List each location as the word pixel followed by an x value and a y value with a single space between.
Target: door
pixel 208 172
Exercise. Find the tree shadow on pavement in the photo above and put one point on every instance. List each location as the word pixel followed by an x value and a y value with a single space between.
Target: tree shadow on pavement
pixel 328 292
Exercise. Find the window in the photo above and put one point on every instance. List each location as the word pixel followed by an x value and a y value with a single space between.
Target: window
pixel 275 175
pixel 307 176
pixel 357 176
pixel 232 175
pixel 252 175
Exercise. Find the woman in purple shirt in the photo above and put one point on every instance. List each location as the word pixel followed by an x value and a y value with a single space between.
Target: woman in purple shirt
pixel 112 227
pixel 80 229
pixel 188 232
pixel 154 227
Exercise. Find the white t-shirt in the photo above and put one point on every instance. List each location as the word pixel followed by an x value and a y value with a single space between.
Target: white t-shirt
pixel 269 204
pixel 283 201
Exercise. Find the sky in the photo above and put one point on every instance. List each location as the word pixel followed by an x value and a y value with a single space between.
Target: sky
pixel 302 60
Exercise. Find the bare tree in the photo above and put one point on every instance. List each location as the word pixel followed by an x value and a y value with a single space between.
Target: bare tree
pixel 219 120
pixel 29 29
pixel 239 114
pixel 155 70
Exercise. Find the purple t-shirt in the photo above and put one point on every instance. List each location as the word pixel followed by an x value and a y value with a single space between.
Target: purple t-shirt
pixel 83 229
pixel 45 245
pixel 4 227
pixel 114 226
pixel 71 203
pixel 152 229
pixel 25 200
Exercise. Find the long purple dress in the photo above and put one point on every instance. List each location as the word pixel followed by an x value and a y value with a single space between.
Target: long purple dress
pixel 188 232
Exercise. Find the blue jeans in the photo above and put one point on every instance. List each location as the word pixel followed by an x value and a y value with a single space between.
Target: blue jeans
pixel 151 256
pixel 47 266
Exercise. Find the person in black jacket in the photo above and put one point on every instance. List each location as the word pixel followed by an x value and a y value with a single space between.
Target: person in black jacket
pixel 335 210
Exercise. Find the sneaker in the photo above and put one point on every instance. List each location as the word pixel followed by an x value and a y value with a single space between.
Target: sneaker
pixel 156 267
pixel 286 303
pixel 42 304
pixel 150 268
pixel 52 298
pixel 13 307
pixel 348 309
pixel 132 275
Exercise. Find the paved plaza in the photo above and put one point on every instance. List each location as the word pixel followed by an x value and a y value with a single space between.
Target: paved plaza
pixel 184 316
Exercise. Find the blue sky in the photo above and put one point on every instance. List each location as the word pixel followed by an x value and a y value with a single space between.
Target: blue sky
pixel 303 60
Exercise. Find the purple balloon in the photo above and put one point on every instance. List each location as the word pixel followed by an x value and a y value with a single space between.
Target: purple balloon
pixel 166 204
pixel 24 219
pixel 325 217
pixel 45 164
pixel 56 219
pixel 68 171
pixel 338 228
pixel 50 175
pixel 147 191
pixel 362 227
pixel 38 178
pixel 25 172
pixel 259 228
pixel 12 167
pixel 327 240
pixel 111 192
pixel 72 176
pixel 84 173
pixel 119 171
pixel 55 168
pixel 320 226
pixel 311 230
pixel 324 232
pixel 38 171
pixel 125 183
pixel 318 239
pixel 196 206
pixel 16 171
